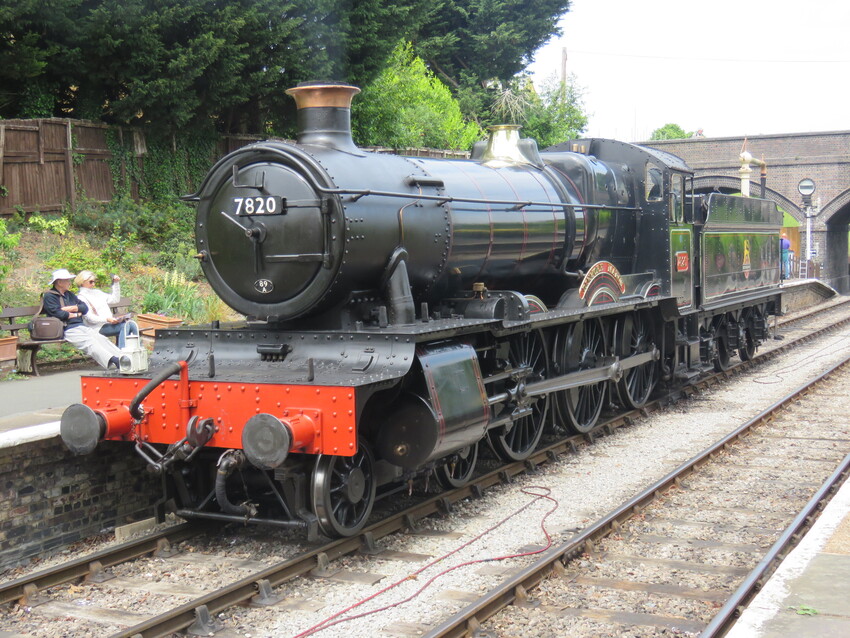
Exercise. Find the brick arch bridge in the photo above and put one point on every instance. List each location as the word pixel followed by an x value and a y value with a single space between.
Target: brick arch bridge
pixel 823 157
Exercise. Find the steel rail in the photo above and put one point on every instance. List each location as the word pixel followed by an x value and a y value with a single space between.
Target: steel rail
pixel 470 618
pixel 28 586
pixel 756 579
pixel 244 589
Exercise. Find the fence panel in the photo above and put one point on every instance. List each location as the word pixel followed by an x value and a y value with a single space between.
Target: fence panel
pixel 46 163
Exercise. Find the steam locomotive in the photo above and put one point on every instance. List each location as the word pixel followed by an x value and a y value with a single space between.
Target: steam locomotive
pixel 403 312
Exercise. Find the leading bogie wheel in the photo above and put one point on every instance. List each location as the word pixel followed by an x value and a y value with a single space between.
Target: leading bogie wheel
pixel 458 468
pixel 343 491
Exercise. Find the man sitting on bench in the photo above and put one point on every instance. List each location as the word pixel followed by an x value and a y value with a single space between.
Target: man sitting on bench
pixel 60 302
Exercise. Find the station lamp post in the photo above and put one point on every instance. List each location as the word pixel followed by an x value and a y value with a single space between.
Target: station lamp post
pixel 806 188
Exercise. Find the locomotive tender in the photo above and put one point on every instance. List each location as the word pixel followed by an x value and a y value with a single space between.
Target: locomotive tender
pixel 402 312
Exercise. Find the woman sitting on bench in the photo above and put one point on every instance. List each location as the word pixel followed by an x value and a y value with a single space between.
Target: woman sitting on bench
pixel 100 315
pixel 63 304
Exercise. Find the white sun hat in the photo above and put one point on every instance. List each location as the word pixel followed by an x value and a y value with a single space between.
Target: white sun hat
pixel 62 273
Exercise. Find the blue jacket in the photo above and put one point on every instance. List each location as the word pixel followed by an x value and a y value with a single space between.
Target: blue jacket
pixel 53 302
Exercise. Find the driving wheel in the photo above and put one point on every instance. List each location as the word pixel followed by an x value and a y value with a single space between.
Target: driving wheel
pixel 529 361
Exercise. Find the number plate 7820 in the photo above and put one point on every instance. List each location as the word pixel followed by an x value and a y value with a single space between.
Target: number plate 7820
pixel 267 205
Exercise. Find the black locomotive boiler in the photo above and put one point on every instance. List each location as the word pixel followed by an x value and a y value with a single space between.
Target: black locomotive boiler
pixel 403 312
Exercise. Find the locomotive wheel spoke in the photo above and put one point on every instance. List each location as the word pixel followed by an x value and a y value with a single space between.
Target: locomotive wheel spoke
pixel 581 346
pixel 343 491
pixel 460 468
pixel 529 357
pixel 633 335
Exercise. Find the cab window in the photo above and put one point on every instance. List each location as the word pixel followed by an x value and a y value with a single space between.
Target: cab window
pixel 654 182
pixel 677 200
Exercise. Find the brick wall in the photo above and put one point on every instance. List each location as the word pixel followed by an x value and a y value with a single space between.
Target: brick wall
pixel 823 157
pixel 51 498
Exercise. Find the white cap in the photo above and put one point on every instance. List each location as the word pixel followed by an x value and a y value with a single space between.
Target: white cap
pixel 62 273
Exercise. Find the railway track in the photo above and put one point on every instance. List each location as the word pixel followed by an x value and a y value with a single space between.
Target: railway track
pixel 703 538
pixel 260 583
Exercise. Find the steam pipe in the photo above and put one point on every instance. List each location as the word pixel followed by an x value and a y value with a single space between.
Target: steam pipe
pixel 135 409
pixel 399 295
pixel 229 461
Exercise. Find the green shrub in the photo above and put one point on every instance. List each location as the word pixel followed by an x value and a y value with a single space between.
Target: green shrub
pixel 56 225
pixel 153 223
pixel 175 296
pixel 117 253
pixel 407 106
pixel 8 241
pixel 179 255
pixel 76 255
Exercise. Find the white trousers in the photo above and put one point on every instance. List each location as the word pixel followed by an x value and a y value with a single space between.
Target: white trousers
pixel 91 342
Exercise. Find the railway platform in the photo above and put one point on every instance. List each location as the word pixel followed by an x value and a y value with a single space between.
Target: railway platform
pixel 38 401
pixel 807 597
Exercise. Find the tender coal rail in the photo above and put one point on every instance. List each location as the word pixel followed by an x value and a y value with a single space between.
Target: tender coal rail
pixel 703 538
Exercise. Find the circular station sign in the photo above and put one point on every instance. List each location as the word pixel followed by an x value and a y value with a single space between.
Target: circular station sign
pixel 806 187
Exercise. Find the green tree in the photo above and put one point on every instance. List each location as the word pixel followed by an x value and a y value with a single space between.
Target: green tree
pixel 478 46
pixel 552 115
pixel 189 63
pixel 406 106
pixel 670 132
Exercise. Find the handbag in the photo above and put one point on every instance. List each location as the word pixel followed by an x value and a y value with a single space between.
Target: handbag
pixel 44 328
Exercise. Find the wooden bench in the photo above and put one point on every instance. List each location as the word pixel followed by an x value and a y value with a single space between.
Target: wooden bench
pixel 15 320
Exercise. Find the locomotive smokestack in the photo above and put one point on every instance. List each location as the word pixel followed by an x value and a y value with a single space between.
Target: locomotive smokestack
pixel 324 114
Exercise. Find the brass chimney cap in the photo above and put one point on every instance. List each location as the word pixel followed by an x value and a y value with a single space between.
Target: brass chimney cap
pixel 320 94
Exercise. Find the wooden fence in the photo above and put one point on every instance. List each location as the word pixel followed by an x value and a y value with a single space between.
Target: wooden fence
pixel 46 164
pixel 42 162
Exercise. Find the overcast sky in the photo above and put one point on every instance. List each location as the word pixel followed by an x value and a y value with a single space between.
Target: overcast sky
pixel 728 67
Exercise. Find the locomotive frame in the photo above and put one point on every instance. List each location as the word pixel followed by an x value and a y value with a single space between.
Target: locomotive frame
pixel 402 312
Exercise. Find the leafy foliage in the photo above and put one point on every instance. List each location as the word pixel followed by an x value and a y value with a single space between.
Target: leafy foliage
pixel 670 132
pixel 550 116
pixel 155 223
pixel 8 241
pixel 406 106
pixel 75 255
pixel 478 46
pixel 55 225
pixel 199 63
pixel 191 63
pixel 173 295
